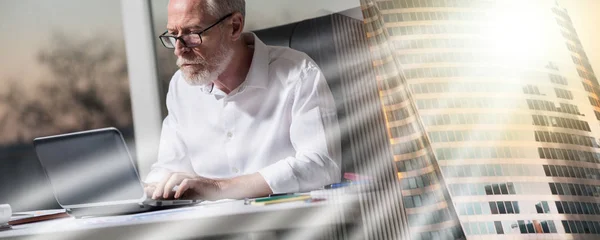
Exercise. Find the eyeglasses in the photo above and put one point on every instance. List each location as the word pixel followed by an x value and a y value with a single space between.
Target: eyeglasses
pixel 188 40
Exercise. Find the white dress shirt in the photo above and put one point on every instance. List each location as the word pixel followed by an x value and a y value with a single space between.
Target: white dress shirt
pixel 280 122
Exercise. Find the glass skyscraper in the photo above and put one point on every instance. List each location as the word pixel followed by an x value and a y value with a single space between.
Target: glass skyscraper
pixel 495 119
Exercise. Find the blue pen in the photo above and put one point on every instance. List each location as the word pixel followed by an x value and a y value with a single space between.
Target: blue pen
pixel 343 184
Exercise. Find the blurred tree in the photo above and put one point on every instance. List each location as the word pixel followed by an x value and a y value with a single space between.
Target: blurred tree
pixel 86 88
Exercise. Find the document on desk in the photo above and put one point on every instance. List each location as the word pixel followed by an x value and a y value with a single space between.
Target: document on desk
pixel 161 215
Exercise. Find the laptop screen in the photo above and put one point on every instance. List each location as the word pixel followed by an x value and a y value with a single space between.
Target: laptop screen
pixel 89 167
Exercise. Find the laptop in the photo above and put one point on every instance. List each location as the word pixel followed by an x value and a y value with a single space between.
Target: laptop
pixel 93 174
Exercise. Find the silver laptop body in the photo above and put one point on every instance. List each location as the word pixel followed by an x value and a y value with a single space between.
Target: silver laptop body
pixel 92 173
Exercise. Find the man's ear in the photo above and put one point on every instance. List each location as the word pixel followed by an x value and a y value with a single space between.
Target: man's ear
pixel 237 26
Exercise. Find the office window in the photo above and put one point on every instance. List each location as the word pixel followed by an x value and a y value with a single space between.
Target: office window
pixel 501 208
pixel 561 122
pixel 493 207
pixel 581 227
pixel 542 207
pixel 564 138
pixel 498 226
pixel 576 189
pixel 565 94
pixel 571 155
pixel 408 202
pixel 572 172
pixel 586 208
pixel 509 207
pixel 67 72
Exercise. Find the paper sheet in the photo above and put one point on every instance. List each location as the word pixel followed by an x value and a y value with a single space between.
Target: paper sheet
pixel 5 214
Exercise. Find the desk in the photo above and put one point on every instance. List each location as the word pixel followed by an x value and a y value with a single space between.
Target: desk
pixel 210 219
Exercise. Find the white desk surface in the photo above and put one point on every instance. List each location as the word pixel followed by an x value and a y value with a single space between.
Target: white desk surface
pixel 205 219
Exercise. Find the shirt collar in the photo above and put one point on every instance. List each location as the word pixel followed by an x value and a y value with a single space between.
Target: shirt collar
pixel 259 69
pixel 258 73
pixel 208 88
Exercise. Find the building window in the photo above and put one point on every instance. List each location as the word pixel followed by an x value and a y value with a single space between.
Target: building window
pixel 586 208
pixel 490 170
pixel 498 226
pixel 541 120
pixel 536 226
pixel 408 147
pixel 581 227
pixel 468 135
pixel 531 89
pixel 549 106
pixel 568 154
pixel 572 172
pixel 565 138
pixel 429 218
pixel 420 181
pixel 481 152
pixel 413 164
pixel 542 207
pixel 474 118
pixel 588 87
pixel 504 207
pixel 570 189
pixel 565 94
pixel 424 199
pixel 558 79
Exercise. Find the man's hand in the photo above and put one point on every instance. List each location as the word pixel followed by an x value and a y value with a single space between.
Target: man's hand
pixel 190 187
pixel 149 188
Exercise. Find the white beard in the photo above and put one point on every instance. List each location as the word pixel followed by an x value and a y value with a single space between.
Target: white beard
pixel 205 76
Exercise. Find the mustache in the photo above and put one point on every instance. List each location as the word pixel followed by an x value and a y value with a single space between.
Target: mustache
pixel 182 61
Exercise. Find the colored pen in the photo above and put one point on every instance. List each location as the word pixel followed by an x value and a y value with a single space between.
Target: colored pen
pixel 266 199
pixel 343 184
pixel 283 200
pixel 280 194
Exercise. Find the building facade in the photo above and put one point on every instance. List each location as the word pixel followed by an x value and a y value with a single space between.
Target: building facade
pixel 509 103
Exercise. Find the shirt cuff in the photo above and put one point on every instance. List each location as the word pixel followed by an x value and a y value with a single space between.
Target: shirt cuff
pixel 280 177
pixel 157 175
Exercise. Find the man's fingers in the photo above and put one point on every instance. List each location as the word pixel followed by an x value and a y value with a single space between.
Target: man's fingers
pixel 172 182
pixel 183 187
pixel 149 190
pixel 158 191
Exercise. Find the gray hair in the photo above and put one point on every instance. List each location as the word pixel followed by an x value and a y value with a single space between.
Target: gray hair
pixel 220 8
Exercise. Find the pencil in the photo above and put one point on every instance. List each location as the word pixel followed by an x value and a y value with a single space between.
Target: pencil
pixel 282 200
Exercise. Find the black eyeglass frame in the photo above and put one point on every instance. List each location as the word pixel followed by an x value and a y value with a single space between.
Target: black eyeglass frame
pixel 164 37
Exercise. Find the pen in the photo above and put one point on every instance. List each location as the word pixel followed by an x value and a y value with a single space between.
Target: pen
pixel 284 199
pixel 266 199
pixel 280 194
pixel 343 184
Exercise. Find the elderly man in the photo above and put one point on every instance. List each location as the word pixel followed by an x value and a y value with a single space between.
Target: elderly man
pixel 245 119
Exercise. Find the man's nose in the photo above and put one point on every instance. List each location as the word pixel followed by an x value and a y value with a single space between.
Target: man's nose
pixel 180 48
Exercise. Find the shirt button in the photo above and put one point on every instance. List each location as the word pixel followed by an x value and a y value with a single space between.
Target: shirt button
pixel 229 135
pixel 235 170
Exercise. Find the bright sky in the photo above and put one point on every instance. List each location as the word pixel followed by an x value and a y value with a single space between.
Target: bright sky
pixel 27 24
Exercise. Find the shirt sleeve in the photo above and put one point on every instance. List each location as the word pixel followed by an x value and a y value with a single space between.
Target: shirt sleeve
pixel 314 134
pixel 172 155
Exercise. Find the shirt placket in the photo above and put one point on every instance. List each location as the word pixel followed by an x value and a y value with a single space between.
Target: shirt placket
pixel 230 134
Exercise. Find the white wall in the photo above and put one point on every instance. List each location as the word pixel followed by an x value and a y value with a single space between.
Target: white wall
pixel 269 13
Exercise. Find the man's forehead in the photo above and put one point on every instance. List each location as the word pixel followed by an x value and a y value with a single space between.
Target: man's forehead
pixel 186 14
